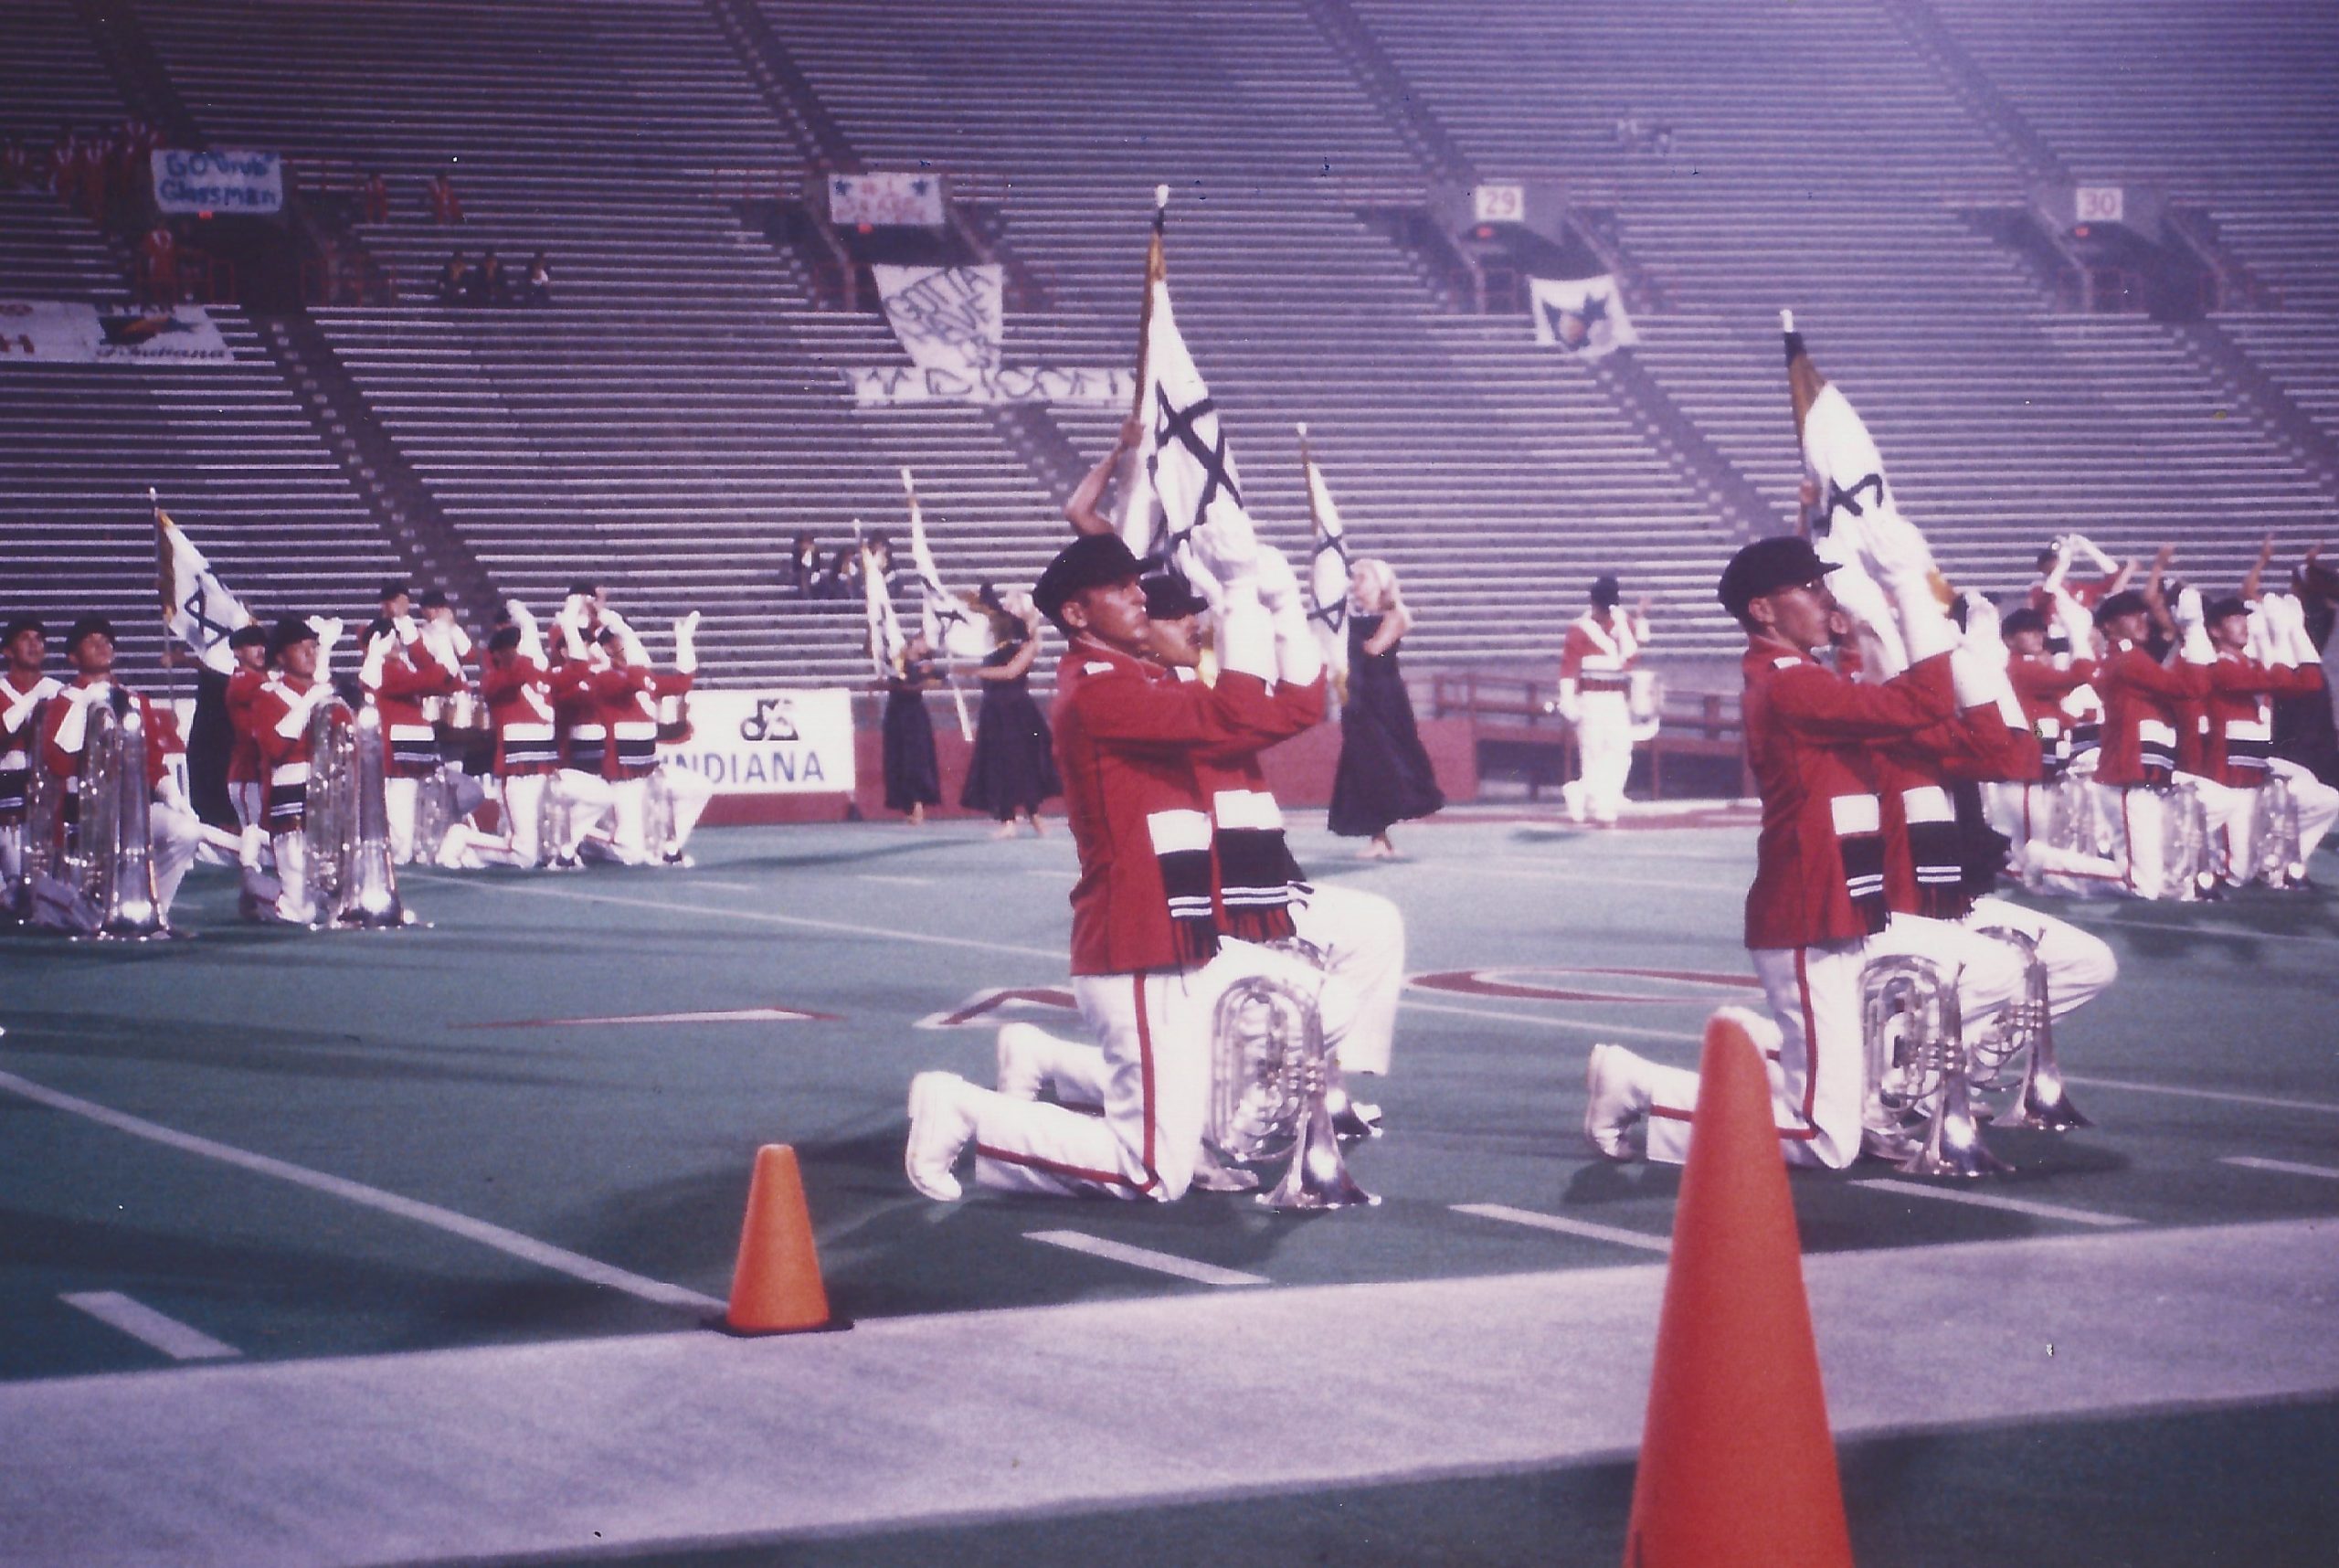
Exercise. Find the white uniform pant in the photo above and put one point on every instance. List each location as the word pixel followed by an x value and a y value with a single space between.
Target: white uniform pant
pixel 1603 738
pixel 2080 965
pixel 292 900
pixel 521 796
pixel 250 801
pixel 585 801
pixel 2318 809
pixel 684 795
pixel 1153 1083
pixel 1818 1074
pixel 173 835
pixel 2143 829
pixel 630 800
pixel 1362 937
pixel 12 860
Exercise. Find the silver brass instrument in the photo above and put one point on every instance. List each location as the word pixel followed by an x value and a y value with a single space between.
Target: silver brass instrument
pixel 1920 1113
pixel 2073 823
pixel 2025 1030
pixel 89 851
pixel 2186 872
pixel 1271 1079
pixel 2275 855
pixel 351 879
pixel 44 836
pixel 436 810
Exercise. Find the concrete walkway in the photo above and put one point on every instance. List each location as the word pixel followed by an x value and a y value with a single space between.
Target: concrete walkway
pixel 695 1437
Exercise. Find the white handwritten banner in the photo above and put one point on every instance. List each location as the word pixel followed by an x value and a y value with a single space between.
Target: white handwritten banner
pixel 769 742
pixel 51 332
pixel 894 386
pixel 217 182
pixel 947 318
pixel 1581 316
pixel 885 200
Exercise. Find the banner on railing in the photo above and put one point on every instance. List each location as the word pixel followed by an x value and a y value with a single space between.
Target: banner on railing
pixel 53 332
pixel 952 323
pixel 769 742
pixel 1582 316
pixel 886 201
pixel 219 181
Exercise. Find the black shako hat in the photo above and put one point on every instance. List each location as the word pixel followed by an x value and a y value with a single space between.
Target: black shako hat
pixel 252 636
pixel 1767 566
pixel 2023 620
pixel 88 626
pixel 2218 609
pixel 1167 596
pixel 1093 560
pixel 292 628
pixel 2127 602
pixel 1606 591
pixel 22 623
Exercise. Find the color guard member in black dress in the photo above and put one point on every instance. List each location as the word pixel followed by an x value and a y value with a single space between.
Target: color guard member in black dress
pixel 1013 767
pixel 1384 773
pixel 912 777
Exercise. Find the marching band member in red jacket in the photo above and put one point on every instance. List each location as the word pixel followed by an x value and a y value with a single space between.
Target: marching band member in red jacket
pixel 173 832
pixel 246 780
pixel 518 688
pixel 1144 921
pixel 24 687
pixel 401 670
pixel 2142 702
pixel 1595 688
pixel 280 720
pixel 2232 737
pixel 1819 882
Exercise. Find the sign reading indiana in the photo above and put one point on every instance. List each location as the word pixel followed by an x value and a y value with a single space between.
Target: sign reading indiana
pixel 769 742
pixel 951 321
pixel 219 181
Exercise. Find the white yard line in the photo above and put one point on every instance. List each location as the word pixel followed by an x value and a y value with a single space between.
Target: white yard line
pixel 140 1322
pixel 1145 1258
pixel 893 881
pixel 766 917
pixel 1995 1201
pixel 1539 1020
pixel 2287 1167
pixel 2267 1102
pixel 526 1248
pixel 1592 1229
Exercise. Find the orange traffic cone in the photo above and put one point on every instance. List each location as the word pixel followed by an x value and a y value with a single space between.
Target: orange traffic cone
pixel 777 1289
pixel 1737 1464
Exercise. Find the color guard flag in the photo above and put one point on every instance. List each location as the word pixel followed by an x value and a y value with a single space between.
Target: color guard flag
pixel 1328 575
pixel 1581 316
pixel 950 628
pixel 886 643
pixel 198 608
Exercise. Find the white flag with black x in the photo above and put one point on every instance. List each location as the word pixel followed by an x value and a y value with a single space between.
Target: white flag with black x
pixel 1185 457
pixel 196 606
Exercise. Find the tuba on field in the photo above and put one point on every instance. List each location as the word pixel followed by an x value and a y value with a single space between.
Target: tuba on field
pixel 1919 1110
pixel 2026 1031
pixel 2072 823
pixel 347 830
pixel 89 851
pixel 2187 874
pixel 2276 857
pixel 1271 1081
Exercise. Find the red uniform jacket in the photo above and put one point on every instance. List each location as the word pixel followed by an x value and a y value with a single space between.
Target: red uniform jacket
pixel 2040 685
pixel 1126 738
pixel 283 746
pixel 18 708
pixel 518 693
pixel 65 762
pixel 629 713
pixel 580 693
pixel 1252 868
pixel 243 752
pixel 2230 733
pixel 1924 843
pixel 2141 699
pixel 1599 658
pixel 1819 862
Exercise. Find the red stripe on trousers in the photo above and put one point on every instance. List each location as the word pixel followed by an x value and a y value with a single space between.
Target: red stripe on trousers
pixel 1145 1061
pixel 1109 1178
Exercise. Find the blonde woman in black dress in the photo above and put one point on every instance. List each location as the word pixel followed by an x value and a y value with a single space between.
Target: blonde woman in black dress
pixel 1013 766
pixel 1384 773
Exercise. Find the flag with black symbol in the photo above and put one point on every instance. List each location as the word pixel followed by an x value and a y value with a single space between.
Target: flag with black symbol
pixel 1581 316
pixel 1328 566
pixel 198 608
pixel 1188 465
pixel 951 628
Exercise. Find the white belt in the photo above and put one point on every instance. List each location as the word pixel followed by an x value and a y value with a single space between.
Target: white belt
pixel 413 732
pixel 2249 729
pixel 2152 731
pixel 635 729
pixel 587 732
pixel 289 773
pixel 527 732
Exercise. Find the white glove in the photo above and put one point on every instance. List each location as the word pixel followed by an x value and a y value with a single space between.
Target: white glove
pixel 168 793
pixel 1278 586
pixel 1246 637
pixel 297 712
pixel 2077 544
pixel 439 642
pixel 329 629
pixel 404 626
pixel 1984 638
pixel 2303 651
pixel 1299 656
pixel 686 643
pixel 1859 596
pixel 630 652
pixel 1894 549
pixel 2193 638
pixel 377 658
pixel 613 621
pixel 1980 683
pixel 1227 544
pixel 2077 627
pixel 1569 706
pixel 2268 640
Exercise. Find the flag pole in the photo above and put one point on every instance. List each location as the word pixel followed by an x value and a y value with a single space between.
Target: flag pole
pixel 1156 269
pixel 165 579
pixel 949 679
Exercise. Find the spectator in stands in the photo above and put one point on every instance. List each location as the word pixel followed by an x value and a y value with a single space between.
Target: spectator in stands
pixel 374 199
pixel 843 579
pixel 1661 140
pixel 15 163
pixel 455 280
pixel 881 548
pixel 486 285
pixel 802 576
pixel 158 266
pixel 439 199
pixel 535 289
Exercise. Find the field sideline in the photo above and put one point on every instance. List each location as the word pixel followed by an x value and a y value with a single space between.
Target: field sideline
pixel 396 1247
